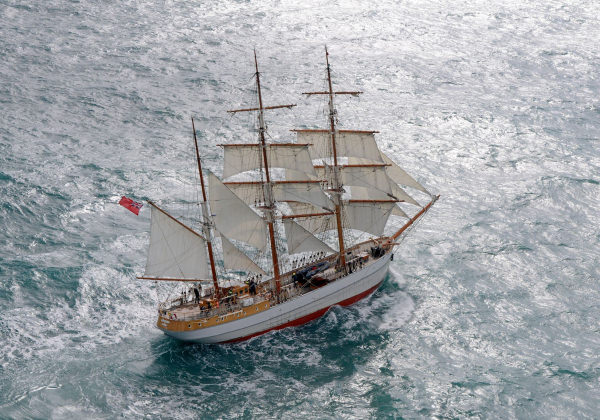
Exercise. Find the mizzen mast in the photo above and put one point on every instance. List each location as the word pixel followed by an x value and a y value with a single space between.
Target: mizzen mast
pixel 207 221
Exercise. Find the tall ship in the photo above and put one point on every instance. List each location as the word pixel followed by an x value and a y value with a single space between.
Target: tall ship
pixel 289 230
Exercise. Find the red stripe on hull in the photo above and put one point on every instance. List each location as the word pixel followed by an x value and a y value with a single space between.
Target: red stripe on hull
pixel 307 318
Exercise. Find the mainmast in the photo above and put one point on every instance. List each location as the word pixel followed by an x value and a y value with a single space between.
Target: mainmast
pixel 267 186
pixel 269 202
pixel 207 223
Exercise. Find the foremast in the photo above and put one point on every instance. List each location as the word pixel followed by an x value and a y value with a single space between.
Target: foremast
pixel 338 190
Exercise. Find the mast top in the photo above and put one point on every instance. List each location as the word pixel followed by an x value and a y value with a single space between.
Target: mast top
pixel 260 108
pixel 330 91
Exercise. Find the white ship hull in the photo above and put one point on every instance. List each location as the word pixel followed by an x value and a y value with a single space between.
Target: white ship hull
pixel 297 311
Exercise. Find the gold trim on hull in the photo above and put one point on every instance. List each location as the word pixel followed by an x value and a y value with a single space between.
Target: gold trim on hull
pixel 169 324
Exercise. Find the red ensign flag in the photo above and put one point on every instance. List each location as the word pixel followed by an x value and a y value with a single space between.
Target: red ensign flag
pixel 132 206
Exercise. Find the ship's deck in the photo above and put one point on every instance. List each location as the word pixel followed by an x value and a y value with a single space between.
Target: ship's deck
pixel 239 302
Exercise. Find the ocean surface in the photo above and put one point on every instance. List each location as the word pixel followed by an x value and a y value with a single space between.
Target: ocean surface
pixel 492 305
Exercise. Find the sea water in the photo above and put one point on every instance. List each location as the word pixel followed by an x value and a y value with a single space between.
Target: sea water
pixel 491 307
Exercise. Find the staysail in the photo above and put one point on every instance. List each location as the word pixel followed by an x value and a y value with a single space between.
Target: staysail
pixel 233 217
pixel 301 240
pixel 234 259
pixel 399 175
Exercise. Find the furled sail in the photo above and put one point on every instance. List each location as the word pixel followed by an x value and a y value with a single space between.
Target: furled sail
pixel 367 216
pixel 233 217
pixel 175 250
pixel 234 259
pixel 348 143
pixel 301 240
pixel 246 157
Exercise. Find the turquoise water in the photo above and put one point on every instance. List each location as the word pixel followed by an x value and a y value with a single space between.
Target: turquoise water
pixel 491 308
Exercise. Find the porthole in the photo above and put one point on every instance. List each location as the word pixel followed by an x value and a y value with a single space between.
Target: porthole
pixel 189 325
